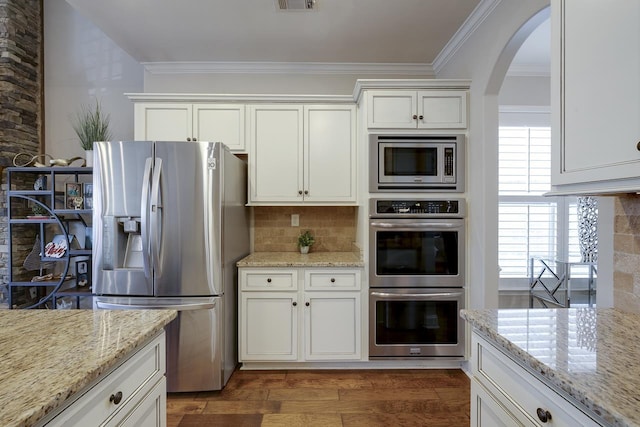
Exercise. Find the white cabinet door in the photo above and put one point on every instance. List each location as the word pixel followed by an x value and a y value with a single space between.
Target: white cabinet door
pixel 151 411
pixel 332 325
pixel 487 411
pixel 268 326
pixel 220 122
pixel 442 109
pixel 596 108
pixel 395 109
pixel 276 136
pixel 162 122
pixel 329 154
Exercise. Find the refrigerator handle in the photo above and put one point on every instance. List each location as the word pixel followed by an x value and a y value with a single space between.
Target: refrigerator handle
pixel 156 216
pixel 144 219
pixel 160 306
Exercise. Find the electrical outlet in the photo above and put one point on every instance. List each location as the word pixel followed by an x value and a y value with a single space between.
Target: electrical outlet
pixel 32 292
pixel 295 220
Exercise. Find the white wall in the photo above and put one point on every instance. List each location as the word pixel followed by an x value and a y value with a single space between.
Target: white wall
pixel 484 58
pixel 82 64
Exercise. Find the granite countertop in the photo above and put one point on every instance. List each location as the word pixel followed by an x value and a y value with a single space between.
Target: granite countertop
pixel 592 355
pixel 295 259
pixel 48 355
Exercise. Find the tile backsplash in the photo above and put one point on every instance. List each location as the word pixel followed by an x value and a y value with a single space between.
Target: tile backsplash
pixel 333 227
pixel 626 257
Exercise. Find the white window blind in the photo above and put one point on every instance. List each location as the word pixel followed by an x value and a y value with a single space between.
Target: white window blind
pixel 530 224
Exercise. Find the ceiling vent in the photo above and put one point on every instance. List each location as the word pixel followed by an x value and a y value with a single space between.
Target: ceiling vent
pixel 296 4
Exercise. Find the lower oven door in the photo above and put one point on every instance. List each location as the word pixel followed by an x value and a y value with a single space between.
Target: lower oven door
pixel 413 323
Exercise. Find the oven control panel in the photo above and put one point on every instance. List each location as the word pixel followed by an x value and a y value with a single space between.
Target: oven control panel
pixel 416 208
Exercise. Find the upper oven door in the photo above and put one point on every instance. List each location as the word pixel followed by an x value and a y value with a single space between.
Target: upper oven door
pixel 416 252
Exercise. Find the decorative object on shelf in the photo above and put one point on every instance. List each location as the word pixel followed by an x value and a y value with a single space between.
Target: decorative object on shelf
pixel 88 195
pixel 305 241
pixel 91 125
pixel 588 228
pixel 33 260
pixel 73 195
pixel 58 246
pixel 40 183
pixel 66 162
pixel 26 159
pixel 39 212
pixel 83 273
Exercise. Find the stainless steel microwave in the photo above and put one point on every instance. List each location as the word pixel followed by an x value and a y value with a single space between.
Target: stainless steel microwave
pixel 416 163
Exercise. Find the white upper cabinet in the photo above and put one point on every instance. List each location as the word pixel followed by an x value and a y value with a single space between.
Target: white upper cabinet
pixel 421 109
pixel 171 121
pixel 302 154
pixel 595 96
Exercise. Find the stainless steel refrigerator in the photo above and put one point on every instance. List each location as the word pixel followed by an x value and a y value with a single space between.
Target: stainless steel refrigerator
pixel 169 223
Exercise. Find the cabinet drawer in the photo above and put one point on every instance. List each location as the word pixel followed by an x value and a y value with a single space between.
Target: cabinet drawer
pixel 515 386
pixel 133 379
pixel 260 280
pixel 332 280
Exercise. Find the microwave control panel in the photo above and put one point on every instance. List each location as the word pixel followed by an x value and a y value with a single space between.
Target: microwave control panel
pixel 416 208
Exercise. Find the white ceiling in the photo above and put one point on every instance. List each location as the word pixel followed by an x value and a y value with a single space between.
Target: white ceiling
pixel 338 31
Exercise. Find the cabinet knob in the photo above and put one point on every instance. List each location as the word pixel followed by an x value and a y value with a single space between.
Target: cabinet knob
pixel 306 192
pixel 195 139
pixel 307 303
pixel 333 280
pixel 189 139
pixel 638 146
pixel 300 192
pixel 415 117
pixel 543 415
pixel 269 280
pixel 116 398
pixel 295 303
pixel 421 117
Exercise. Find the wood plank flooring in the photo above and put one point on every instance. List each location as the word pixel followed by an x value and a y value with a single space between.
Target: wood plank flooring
pixel 327 398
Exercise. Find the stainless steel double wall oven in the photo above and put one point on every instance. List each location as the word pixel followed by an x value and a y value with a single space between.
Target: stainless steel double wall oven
pixel 416 278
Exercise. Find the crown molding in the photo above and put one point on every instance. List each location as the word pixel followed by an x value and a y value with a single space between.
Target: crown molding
pixel 477 17
pixel 255 67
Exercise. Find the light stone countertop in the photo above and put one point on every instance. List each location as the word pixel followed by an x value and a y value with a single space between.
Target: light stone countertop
pixel 295 259
pixel 48 355
pixel 592 355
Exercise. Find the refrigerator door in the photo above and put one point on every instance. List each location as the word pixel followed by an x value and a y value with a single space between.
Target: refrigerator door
pixel 194 340
pixel 185 219
pixel 122 184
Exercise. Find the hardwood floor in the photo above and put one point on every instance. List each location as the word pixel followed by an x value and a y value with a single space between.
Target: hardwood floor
pixel 350 398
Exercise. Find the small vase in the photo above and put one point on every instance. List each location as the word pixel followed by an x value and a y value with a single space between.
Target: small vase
pixel 304 249
pixel 88 158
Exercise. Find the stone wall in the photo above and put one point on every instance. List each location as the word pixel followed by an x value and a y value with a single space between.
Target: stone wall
pixel 626 256
pixel 333 227
pixel 20 95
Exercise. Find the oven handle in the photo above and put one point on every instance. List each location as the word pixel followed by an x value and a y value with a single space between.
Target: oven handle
pixel 423 296
pixel 415 225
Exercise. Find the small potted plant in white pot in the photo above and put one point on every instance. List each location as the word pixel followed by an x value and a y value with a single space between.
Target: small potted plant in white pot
pixel 305 240
pixel 91 125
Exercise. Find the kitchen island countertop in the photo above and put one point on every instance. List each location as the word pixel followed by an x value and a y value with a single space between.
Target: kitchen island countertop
pixel 593 355
pixel 48 355
pixel 295 259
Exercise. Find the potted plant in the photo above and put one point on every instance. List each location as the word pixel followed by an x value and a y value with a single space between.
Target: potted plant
pixel 91 124
pixel 305 240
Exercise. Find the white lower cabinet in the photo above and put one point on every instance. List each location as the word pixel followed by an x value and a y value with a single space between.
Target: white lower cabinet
pixel 300 315
pixel 503 393
pixel 133 394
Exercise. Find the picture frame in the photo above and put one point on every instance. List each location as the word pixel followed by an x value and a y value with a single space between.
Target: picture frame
pixel 83 273
pixel 73 196
pixel 87 190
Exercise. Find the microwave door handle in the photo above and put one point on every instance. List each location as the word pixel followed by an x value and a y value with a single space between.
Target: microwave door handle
pixel 430 225
pixel 423 296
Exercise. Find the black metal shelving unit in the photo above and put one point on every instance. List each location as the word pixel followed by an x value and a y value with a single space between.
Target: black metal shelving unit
pixel 45 187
